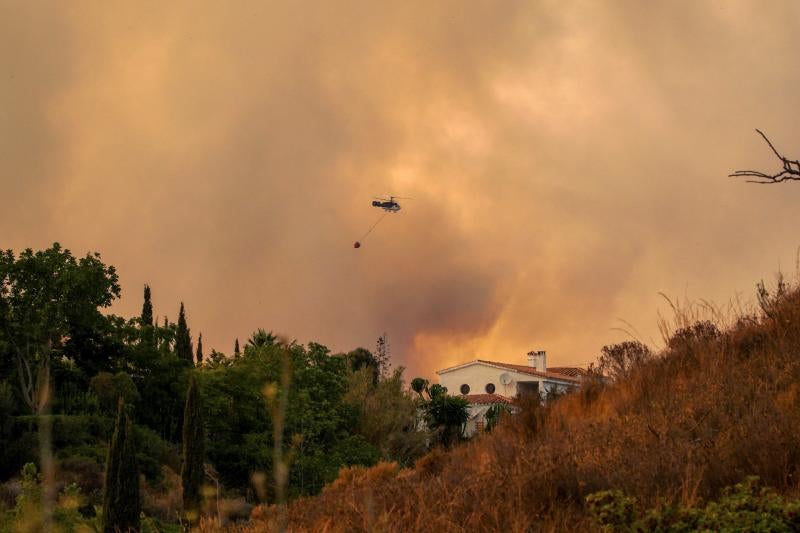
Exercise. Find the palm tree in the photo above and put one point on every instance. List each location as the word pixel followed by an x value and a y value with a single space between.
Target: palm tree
pixel 261 338
pixel 419 385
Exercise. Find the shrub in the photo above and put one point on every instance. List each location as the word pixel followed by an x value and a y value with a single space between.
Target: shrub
pixel 612 510
pixel 617 361
pixel 109 388
pixel 746 506
pixel 494 414
pixel 81 441
pixel 27 515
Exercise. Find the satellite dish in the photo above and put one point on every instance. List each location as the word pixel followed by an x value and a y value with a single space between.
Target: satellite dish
pixel 505 378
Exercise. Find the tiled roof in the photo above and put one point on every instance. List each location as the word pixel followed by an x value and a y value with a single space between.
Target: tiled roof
pixel 486 399
pixel 549 373
pixel 574 371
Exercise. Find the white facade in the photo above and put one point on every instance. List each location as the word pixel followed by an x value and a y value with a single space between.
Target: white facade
pixel 483 377
pixel 478 376
pixel 477 419
pixel 506 380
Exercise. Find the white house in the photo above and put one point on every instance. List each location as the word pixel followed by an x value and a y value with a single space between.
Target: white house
pixel 485 383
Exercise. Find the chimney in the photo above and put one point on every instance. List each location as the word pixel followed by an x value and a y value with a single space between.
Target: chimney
pixel 538 360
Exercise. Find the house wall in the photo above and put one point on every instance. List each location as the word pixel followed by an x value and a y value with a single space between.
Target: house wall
pixel 478 375
pixel 477 413
pixel 552 386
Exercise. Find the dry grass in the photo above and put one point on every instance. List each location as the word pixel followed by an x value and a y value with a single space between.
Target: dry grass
pixel 710 410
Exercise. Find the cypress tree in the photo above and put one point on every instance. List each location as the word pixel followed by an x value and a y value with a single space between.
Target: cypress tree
pixel 193 453
pixel 183 340
pixel 199 356
pixel 236 351
pixel 148 334
pixel 121 504
pixel 147 308
pixel 165 336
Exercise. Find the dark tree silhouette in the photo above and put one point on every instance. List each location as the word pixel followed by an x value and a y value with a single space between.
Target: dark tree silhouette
pixel 617 361
pixel 261 338
pixel 147 332
pixel 363 358
pixel 121 503
pixel 236 351
pixel 419 385
pixel 446 415
pixel 199 355
pixel 183 340
pixel 166 336
pixel 147 308
pixel 790 172
pixel 193 454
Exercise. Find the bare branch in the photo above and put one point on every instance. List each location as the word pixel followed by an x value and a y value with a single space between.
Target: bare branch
pixel 790 172
pixel 769 143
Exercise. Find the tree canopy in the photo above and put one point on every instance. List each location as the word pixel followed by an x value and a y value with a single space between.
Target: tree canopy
pixel 335 410
pixel 50 302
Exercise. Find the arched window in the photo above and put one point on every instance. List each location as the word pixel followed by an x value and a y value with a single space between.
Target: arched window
pixel 464 389
pixel 490 388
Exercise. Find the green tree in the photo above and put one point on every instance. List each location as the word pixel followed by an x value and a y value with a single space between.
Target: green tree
pixel 436 391
pixel 260 338
pixel 216 358
pixel 121 503
pixel 199 354
pixel 50 305
pixel 193 453
pixel 183 339
pixel 147 308
pixel 387 415
pixel 160 377
pixel 320 429
pixel 166 336
pixel 363 358
pixel 236 351
pixel 111 388
pixel 147 332
pixel 446 415
pixel 494 414
pixel 419 385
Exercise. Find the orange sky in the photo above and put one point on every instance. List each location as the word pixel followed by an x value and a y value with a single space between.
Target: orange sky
pixel 567 162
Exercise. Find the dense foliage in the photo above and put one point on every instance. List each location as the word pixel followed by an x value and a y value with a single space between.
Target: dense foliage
pixel 747 506
pixel 50 305
pixel 320 430
pixel 66 364
pixel 444 414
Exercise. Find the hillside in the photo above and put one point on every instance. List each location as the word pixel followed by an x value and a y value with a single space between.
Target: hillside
pixel 711 409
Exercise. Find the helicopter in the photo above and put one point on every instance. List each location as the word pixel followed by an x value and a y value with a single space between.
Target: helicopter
pixel 388 204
